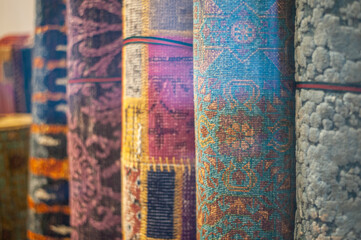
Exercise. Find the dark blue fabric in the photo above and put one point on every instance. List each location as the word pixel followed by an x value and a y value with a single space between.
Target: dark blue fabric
pixel 50 12
pixel 161 187
pixel 41 223
pixel 26 59
pixel 52 187
pixel 47 113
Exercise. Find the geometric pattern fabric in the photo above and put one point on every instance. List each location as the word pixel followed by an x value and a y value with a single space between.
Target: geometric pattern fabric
pixel 244 119
pixel 158 175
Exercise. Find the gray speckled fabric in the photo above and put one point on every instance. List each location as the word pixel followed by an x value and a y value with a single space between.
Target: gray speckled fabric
pixel 328 121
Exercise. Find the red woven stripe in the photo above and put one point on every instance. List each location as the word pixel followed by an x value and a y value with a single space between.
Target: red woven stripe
pixel 330 87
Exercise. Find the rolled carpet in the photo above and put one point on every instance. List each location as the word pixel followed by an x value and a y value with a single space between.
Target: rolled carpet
pixel 22 75
pixel 48 215
pixel 13 74
pixel 26 60
pixel 244 103
pixel 14 155
pixel 94 94
pixel 328 119
pixel 158 158
pixel 12 91
pixel 7 88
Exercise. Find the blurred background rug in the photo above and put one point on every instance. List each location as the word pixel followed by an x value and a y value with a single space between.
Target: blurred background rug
pixel 14 155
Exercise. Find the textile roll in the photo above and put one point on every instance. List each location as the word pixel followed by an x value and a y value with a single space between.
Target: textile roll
pixel 14 154
pixel 13 74
pixel 328 119
pixel 26 61
pixel 48 215
pixel 158 157
pixel 94 94
pixel 21 81
pixel 7 91
pixel 244 103
pixel 22 75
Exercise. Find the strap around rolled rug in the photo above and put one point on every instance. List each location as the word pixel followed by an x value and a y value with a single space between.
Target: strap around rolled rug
pixel 14 155
pixel 158 158
pixel 48 215
pixel 243 82
pixel 94 139
pixel 328 119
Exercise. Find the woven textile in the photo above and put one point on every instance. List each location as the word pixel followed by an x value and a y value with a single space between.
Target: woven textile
pixel 243 53
pixel 7 91
pixel 158 158
pixel 328 119
pixel 26 61
pixel 14 80
pixel 48 215
pixel 14 154
pixel 22 81
pixel 22 74
pixel 94 93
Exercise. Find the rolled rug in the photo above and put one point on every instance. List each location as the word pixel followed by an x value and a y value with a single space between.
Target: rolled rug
pixel 13 87
pixel 48 215
pixel 26 59
pixel 22 75
pixel 14 155
pixel 7 86
pixel 158 158
pixel 244 104
pixel 328 119
pixel 7 98
pixel 94 139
